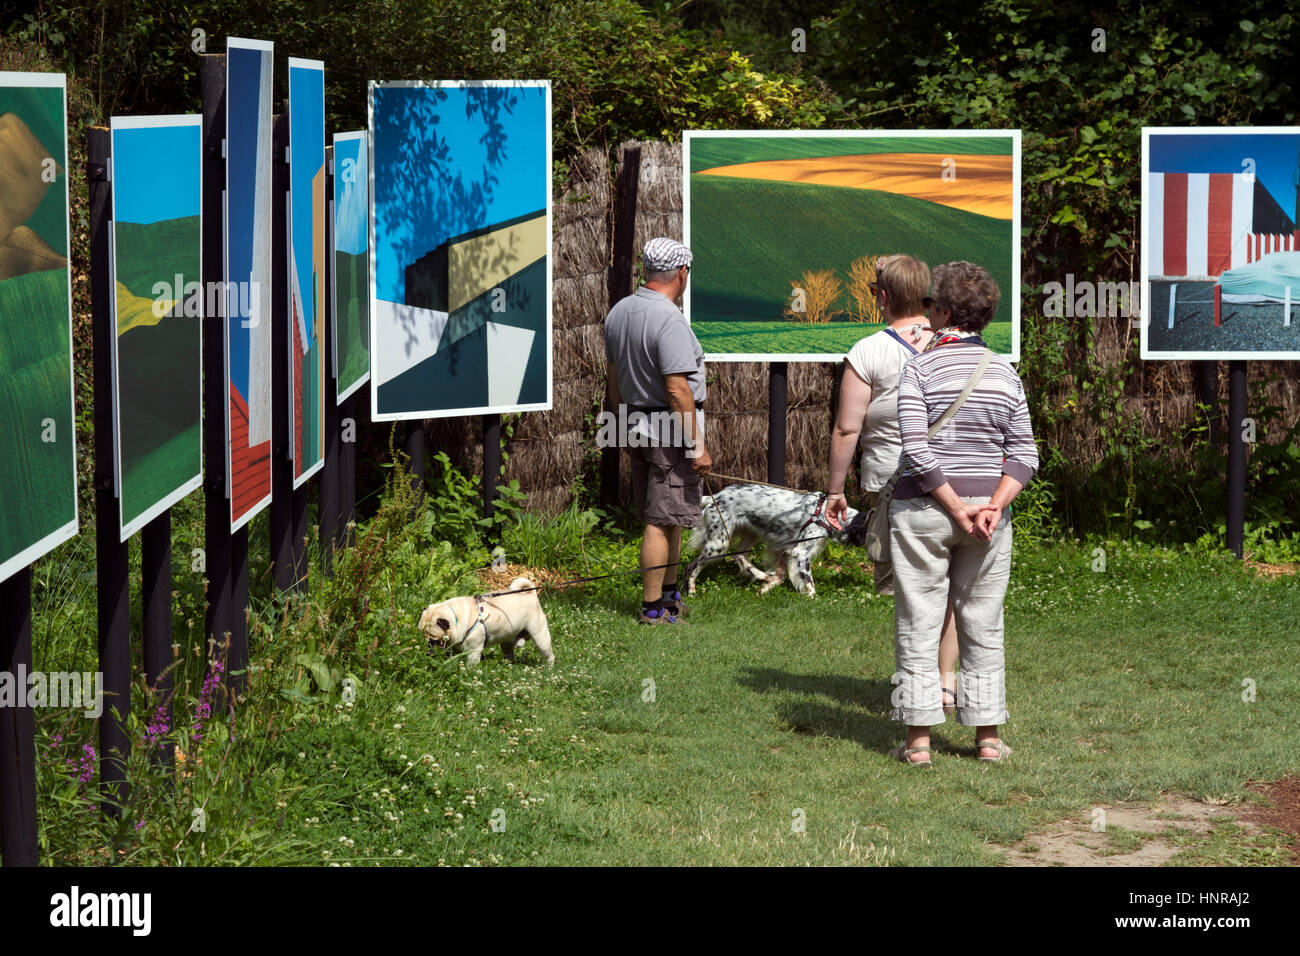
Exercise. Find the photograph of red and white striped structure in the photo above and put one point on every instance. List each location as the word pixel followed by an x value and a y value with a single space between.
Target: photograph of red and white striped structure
pixel 1219 229
pixel 1211 222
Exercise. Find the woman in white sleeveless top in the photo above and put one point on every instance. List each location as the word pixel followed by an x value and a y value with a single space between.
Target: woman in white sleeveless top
pixel 869 408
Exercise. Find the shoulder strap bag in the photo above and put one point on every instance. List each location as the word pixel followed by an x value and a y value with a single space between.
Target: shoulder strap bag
pixel 878 518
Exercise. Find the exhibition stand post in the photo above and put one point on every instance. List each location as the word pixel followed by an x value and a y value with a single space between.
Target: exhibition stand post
pixel 330 475
pixel 17 727
pixel 776 405
pixel 283 553
pixel 491 465
pixel 113 591
pixel 1236 523
pixel 218 541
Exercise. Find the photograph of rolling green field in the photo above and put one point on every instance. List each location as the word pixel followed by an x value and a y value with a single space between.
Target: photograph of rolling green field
pixel 351 263
pixel 156 237
pixel 38 484
pixel 771 213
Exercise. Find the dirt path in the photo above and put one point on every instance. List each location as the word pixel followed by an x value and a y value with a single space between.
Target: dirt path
pixel 1133 835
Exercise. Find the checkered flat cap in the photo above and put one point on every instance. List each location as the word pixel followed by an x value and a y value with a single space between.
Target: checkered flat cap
pixel 664 255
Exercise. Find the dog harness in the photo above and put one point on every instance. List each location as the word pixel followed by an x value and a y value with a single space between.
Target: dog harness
pixel 817 517
pixel 482 616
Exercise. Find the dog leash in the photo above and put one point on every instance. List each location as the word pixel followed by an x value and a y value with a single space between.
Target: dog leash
pixel 638 570
pixel 753 481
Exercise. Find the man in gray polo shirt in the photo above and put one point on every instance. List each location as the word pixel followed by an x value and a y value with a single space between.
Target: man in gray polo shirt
pixel 657 367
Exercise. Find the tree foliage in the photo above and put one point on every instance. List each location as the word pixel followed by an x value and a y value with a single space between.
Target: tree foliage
pixel 617 72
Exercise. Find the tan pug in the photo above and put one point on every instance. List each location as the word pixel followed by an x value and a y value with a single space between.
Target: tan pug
pixel 471 623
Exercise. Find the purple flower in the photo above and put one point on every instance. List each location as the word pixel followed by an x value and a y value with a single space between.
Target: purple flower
pixel 87 766
pixel 157 728
pixel 204 710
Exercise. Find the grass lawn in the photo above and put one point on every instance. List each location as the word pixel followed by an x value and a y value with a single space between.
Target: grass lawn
pixel 1122 685
pixel 755 734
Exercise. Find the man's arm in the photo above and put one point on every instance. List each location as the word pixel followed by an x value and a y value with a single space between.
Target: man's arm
pixel 682 404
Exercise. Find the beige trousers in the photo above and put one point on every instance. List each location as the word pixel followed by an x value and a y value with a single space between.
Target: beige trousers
pixel 932 557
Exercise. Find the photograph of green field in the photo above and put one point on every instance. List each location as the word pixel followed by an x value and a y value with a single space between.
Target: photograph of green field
pixel 351 263
pixel 770 213
pixel 38 482
pixel 350 272
pixel 156 251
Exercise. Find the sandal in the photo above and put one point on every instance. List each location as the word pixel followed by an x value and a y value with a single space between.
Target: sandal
pixel 947 707
pixel 903 754
pixel 992 743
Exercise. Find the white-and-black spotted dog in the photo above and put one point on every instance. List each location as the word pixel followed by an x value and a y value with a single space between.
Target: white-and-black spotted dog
pixel 741 515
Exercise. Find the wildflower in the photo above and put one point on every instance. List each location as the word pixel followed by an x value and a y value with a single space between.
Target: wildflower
pixel 156 729
pixel 204 709
pixel 87 767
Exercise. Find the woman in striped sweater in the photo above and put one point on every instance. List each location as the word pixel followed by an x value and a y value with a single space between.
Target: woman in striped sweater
pixel 950 533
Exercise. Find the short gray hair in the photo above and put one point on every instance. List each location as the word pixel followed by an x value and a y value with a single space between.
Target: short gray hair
pixel 667 276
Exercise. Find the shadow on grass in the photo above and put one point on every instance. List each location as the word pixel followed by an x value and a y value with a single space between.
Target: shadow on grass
pixel 860 714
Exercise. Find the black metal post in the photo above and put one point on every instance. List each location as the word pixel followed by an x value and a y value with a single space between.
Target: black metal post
pixel 776 397
pixel 216 530
pixel 348 471
pixel 17 727
pixel 1236 456
pixel 491 462
pixel 156 606
pixel 328 488
pixel 237 655
pixel 1207 382
pixel 111 552
pixel 621 282
pixel 283 551
pixel 415 449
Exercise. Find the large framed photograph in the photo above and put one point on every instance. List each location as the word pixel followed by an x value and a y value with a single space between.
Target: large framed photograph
pixel 1220 247
pixel 248 277
pixel 38 470
pixel 351 263
pixel 786 227
pixel 157 240
pixel 460 241
pixel 306 267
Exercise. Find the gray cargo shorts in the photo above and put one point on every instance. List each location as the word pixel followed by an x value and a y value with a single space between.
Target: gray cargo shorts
pixel 665 487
